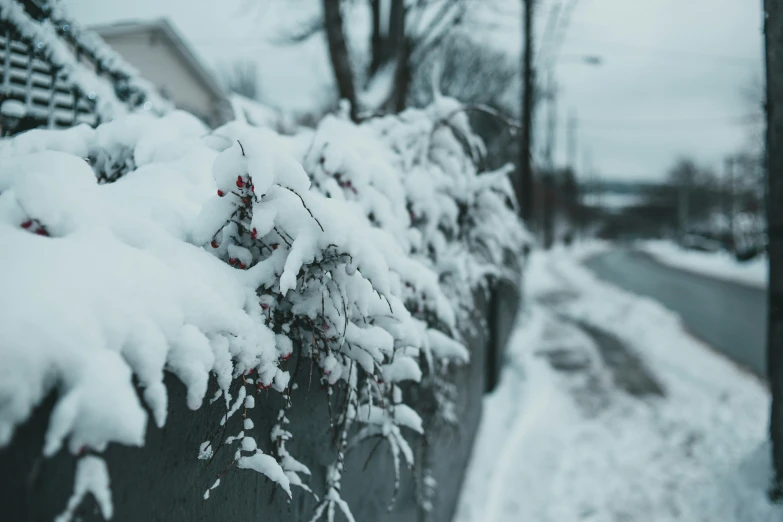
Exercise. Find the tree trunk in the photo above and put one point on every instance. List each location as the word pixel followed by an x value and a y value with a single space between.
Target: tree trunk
pixel 338 52
pixel 396 36
pixel 524 182
pixel 386 38
pixel 391 45
pixel 773 33
pixel 402 78
pixel 377 38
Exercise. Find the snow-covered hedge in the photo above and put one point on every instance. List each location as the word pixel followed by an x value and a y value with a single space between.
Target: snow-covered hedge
pixel 151 245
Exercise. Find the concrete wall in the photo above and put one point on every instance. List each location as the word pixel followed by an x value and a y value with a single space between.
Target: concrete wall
pixel 164 481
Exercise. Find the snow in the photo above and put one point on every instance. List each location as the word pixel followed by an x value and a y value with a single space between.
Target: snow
pixel 268 466
pixel 13 109
pixel 258 114
pixel 151 245
pixel 92 477
pixel 721 265
pixel 575 445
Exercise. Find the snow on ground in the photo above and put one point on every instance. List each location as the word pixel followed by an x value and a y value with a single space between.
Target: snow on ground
pixel 716 264
pixel 609 411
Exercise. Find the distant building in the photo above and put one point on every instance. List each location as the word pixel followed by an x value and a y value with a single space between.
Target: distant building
pixel 163 58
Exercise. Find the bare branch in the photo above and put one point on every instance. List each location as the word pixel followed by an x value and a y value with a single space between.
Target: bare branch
pixel 312 27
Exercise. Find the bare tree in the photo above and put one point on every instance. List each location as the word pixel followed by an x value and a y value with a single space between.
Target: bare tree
pixel 401 39
pixel 773 36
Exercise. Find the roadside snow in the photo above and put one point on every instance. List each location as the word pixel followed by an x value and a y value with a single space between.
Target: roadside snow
pixel 718 264
pixel 570 445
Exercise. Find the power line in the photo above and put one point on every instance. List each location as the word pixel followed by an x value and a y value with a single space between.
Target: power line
pixel 553 18
pixel 743 119
pixel 704 128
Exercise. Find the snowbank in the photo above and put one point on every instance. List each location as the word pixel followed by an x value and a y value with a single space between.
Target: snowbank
pixel 572 445
pixel 714 264
pixel 148 245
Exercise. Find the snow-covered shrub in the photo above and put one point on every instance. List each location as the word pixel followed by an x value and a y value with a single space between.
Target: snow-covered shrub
pixel 414 176
pixel 211 256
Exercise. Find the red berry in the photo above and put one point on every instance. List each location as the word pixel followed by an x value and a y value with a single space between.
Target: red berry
pixel 27 224
pixel 274 246
pixel 264 306
pixel 254 233
pixel 242 265
pixel 287 356
pixel 253 189
pixel 231 261
pixel 214 243
pixel 41 232
pixel 240 183
pixel 221 193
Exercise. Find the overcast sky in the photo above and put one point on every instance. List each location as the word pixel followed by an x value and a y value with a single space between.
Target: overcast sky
pixel 673 78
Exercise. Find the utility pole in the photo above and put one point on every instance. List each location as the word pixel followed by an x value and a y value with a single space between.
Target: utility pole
pixel 525 184
pixel 551 124
pixel 548 180
pixel 571 142
pixel 683 196
pixel 729 206
pixel 773 39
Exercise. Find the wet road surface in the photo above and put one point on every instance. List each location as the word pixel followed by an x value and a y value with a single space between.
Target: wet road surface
pixel 729 316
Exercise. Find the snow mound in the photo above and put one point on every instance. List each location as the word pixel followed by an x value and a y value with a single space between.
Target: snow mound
pixel 721 265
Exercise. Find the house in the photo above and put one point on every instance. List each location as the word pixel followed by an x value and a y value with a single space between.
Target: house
pixel 162 57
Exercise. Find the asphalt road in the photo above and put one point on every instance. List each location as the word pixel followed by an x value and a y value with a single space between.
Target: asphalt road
pixel 730 317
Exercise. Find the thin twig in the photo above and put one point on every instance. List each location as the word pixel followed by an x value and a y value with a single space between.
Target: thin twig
pixel 305 206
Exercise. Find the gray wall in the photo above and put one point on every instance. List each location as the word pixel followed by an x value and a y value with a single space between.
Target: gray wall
pixel 164 481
